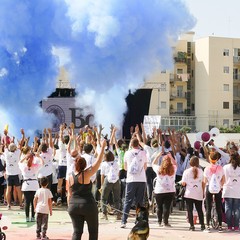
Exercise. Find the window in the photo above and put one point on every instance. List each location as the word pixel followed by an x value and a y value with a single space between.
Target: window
pixel 226 123
pixel 163 105
pixel 179 71
pixel 226 87
pixel 236 52
pixel 180 91
pixel 162 87
pixel 235 74
pixel 226 69
pixel 225 105
pixel 179 107
pixel 226 52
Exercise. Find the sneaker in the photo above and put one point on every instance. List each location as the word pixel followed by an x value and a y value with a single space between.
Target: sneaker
pixel 39 236
pixel 21 206
pixel 236 229
pixel 45 237
pixel 167 225
pixel 8 207
pixel 220 230
pixel 27 219
pixel 192 228
pixel 59 201
pixel 123 225
pixel 32 219
pixel 229 229
pixel 159 224
pixel 207 230
pixel 202 227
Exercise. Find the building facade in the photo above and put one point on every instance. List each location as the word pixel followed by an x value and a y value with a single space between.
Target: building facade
pixel 201 91
pixel 203 88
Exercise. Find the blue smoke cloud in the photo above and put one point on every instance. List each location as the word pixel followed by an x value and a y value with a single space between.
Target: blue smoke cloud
pixel 28 69
pixel 116 43
pixel 112 44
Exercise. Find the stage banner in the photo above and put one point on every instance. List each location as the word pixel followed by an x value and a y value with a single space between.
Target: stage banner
pixel 151 121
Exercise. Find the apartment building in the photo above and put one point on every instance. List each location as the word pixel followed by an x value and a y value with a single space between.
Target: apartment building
pixel 217 88
pixel 203 88
pixel 173 90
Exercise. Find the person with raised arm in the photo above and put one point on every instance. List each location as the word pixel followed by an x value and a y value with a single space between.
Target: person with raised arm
pixel 30 165
pixel 135 162
pixel 81 203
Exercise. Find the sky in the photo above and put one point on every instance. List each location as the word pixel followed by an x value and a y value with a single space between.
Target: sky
pixel 215 17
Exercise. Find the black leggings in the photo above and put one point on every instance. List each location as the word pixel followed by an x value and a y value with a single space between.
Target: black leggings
pixel 28 199
pixel 218 202
pixel 198 205
pixel 164 201
pixel 81 212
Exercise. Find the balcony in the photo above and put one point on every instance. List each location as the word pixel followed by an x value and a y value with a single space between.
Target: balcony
pixel 182 95
pixel 180 112
pixel 236 60
pixel 236 77
pixel 181 77
pixel 181 57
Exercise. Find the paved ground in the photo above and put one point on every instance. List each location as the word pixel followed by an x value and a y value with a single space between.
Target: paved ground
pixel 60 227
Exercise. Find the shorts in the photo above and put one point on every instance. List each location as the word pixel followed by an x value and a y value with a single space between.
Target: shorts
pixel 13 180
pixel 2 179
pixel 62 170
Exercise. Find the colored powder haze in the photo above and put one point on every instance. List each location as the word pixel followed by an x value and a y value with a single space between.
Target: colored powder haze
pixel 112 46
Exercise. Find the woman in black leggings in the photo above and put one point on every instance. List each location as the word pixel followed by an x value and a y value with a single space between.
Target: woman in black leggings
pixel 208 174
pixel 81 203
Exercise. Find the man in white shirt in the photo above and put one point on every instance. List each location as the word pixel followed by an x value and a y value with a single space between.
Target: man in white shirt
pixel 135 162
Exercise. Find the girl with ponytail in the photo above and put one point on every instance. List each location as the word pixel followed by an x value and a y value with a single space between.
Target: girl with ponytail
pixel 193 181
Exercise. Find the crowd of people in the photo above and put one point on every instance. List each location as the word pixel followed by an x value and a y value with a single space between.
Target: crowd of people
pixel 89 171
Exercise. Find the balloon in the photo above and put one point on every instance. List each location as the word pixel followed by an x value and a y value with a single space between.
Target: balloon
pixel 197 145
pixel 205 136
pixel 214 132
pixel 199 136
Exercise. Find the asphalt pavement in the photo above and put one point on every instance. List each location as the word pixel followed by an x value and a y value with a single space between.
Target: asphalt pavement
pixel 60 227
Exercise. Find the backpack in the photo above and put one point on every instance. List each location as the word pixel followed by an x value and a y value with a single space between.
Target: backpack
pixel 214 184
pixel 136 164
pixel 112 176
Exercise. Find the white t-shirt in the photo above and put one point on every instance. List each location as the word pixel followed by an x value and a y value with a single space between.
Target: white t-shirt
pixel 128 157
pixel 90 159
pixel 70 165
pixel 232 182
pixel 30 173
pixel 151 153
pixel 164 183
pixel 55 172
pixel 12 159
pixel 105 169
pixel 218 170
pixel 62 154
pixel 43 194
pixel 180 164
pixel 224 159
pixel 47 157
pixel 194 188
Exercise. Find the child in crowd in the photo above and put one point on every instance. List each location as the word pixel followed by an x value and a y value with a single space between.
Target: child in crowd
pixel 43 206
